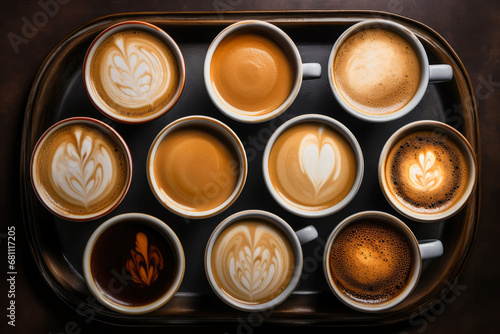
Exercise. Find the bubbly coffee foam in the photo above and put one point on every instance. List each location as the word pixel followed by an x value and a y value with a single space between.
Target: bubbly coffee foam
pixel 311 166
pixel 196 168
pixel 81 170
pixel 371 261
pixel 252 261
pixel 426 171
pixel 377 71
pixel 251 73
pixel 134 73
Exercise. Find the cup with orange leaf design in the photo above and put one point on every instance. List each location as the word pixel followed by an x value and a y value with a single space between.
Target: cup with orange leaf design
pixel 133 263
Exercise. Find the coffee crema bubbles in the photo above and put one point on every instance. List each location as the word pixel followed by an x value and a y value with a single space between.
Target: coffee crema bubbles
pixel 311 166
pixel 252 261
pixel 81 170
pixel 134 73
pixel 370 261
pixel 427 172
pixel 251 73
pixel 376 71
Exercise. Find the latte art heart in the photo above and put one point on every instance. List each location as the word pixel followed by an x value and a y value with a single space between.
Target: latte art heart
pixel 252 262
pixel 319 159
pixel 425 175
pixel 311 166
pixel 82 173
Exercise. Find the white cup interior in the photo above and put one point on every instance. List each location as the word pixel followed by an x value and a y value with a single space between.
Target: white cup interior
pixel 287 231
pixel 441 129
pixel 417 261
pixel 132 25
pixel 340 129
pixel 417 47
pixel 276 35
pixel 231 139
pixel 162 228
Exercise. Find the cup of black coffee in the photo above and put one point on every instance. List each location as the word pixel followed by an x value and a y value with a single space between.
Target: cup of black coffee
pixel 372 260
pixel 133 263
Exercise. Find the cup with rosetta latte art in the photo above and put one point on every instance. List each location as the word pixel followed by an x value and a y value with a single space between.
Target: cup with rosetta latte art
pixel 313 165
pixel 427 171
pixel 81 169
pixel 134 72
pixel 253 259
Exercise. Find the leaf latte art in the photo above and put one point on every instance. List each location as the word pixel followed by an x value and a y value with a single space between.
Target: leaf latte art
pixel 252 262
pixel 134 73
pixel 82 170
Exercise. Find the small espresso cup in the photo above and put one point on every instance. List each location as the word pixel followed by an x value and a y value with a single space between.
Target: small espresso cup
pixel 427 171
pixel 81 169
pixel 197 167
pixel 134 72
pixel 253 71
pixel 372 260
pixel 379 71
pixel 253 259
pixel 133 263
pixel 313 165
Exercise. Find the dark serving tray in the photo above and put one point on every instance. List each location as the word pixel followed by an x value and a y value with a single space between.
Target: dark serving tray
pixel 58 245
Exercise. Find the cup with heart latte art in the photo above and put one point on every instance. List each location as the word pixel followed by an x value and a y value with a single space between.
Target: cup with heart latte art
pixel 134 72
pixel 81 169
pixel 253 259
pixel 313 165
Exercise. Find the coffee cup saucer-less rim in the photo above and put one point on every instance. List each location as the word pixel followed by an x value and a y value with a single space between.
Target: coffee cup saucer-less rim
pixel 339 128
pixel 162 228
pixel 395 222
pixel 275 221
pixel 96 124
pixel 419 50
pixel 281 38
pixel 461 142
pixel 126 25
pixel 226 132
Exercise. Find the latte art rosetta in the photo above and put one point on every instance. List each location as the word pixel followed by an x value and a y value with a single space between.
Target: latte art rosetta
pixel 83 172
pixel 425 175
pixel 252 262
pixel 135 72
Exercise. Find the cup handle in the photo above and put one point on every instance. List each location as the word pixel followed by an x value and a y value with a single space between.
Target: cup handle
pixel 311 71
pixel 307 234
pixel 430 248
pixel 440 73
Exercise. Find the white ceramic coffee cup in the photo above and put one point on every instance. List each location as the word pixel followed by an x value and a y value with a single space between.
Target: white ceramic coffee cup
pixel 441 129
pixel 232 141
pixel 45 198
pixel 302 71
pixel 133 25
pixel 337 127
pixel 166 232
pixel 425 249
pixel 428 73
pixel 296 238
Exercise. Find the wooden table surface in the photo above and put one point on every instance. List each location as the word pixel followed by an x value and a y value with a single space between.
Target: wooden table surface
pixel 472 28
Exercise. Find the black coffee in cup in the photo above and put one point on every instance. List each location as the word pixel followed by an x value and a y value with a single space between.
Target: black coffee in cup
pixel 133 264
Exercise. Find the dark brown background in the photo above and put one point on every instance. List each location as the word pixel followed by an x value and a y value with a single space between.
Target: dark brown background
pixel 472 28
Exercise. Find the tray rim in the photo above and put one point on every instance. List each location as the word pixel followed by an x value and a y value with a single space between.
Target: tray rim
pixel 192 17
